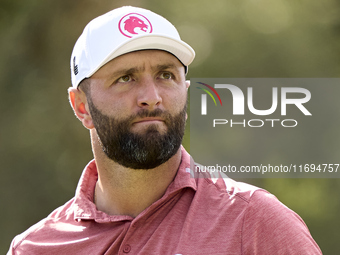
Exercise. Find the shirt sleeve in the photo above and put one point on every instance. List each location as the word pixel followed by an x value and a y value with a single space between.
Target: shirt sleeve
pixel 272 228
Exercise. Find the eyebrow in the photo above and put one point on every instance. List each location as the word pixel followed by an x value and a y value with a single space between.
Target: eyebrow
pixel 122 72
pixel 165 66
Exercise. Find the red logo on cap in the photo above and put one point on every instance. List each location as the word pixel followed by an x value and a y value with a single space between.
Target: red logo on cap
pixel 134 24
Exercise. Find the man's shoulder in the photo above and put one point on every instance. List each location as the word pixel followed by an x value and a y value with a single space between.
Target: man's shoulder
pixel 257 214
pixel 42 228
pixel 222 184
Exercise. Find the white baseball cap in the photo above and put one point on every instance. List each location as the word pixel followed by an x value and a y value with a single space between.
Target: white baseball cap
pixel 121 31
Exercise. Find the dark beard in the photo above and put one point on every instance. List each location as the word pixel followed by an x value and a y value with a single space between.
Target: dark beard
pixel 139 151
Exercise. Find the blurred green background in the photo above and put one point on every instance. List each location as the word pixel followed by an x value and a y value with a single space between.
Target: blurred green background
pixel 44 147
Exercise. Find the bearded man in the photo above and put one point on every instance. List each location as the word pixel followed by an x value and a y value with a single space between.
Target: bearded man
pixel 129 89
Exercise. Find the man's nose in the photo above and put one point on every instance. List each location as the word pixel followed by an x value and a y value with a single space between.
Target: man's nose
pixel 149 96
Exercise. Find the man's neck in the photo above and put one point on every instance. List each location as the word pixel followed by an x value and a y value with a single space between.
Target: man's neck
pixel 124 191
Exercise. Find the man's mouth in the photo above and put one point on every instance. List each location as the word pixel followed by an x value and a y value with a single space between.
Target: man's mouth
pixel 148 120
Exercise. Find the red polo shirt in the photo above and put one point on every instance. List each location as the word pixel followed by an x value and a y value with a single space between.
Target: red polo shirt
pixel 194 216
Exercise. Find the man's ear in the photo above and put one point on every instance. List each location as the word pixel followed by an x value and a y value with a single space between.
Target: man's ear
pixel 187 83
pixel 79 105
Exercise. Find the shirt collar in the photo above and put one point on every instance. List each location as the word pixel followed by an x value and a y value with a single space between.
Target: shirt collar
pixel 85 209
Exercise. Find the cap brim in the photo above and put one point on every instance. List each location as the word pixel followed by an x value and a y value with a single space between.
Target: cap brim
pixel 178 48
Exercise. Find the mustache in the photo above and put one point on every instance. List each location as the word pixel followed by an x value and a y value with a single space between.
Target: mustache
pixel 144 113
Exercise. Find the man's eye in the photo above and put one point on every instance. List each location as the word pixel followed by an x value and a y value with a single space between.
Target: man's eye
pixel 125 78
pixel 166 76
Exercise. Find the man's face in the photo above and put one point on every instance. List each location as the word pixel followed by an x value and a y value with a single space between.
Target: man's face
pixel 138 106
